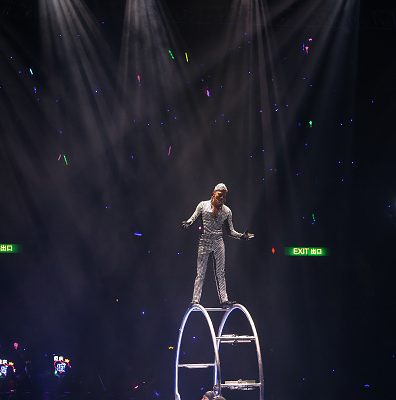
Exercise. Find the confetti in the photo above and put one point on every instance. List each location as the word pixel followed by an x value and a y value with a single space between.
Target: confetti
pixel 170 53
pixel 186 56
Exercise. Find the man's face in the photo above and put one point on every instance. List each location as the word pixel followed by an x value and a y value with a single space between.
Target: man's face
pixel 219 196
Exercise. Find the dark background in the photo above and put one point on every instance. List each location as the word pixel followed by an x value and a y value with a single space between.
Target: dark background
pixel 87 287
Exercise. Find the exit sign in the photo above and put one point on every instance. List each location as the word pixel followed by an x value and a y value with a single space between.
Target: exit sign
pixel 306 251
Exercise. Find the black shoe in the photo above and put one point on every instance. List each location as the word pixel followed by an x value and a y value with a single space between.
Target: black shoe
pixel 227 304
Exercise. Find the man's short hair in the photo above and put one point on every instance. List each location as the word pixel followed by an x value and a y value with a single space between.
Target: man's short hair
pixel 220 186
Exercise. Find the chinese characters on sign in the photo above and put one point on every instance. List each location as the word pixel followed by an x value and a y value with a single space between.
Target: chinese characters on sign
pixel 306 251
pixel 4 365
pixel 9 248
pixel 61 365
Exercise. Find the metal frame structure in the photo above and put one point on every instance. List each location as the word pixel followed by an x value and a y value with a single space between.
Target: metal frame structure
pixel 216 342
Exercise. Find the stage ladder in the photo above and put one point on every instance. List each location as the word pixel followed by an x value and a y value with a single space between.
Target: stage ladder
pixel 217 341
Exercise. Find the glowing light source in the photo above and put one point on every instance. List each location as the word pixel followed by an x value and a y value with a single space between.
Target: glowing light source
pixel 9 248
pixel 306 251
pixel 61 365
pixel 4 365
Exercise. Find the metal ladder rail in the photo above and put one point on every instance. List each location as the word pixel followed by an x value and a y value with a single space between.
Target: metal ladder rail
pixel 256 340
pixel 216 364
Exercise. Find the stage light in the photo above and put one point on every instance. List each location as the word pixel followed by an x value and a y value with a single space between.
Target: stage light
pixel 313 218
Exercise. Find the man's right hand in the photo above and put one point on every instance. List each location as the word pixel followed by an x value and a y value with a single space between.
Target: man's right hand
pixel 186 224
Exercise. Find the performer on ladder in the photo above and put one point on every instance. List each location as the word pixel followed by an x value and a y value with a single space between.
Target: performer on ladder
pixel 215 215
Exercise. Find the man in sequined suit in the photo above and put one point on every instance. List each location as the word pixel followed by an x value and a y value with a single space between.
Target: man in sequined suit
pixel 215 215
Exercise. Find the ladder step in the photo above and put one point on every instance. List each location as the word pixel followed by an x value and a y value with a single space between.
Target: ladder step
pixel 241 385
pixel 196 365
pixel 211 309
pixel 236 338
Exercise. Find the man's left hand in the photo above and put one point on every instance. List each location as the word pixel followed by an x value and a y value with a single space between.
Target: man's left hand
pixel 247 236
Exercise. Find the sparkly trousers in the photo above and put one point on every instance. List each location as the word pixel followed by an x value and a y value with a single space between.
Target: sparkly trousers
pixel 210 244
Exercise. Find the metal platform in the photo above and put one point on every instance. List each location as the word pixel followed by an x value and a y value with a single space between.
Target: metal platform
pixel 217 340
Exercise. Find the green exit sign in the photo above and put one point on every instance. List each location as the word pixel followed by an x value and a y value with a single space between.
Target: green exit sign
pixel 306 251
pixel 9 248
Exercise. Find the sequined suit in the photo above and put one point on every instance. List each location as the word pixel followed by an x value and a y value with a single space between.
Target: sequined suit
pixel 211 240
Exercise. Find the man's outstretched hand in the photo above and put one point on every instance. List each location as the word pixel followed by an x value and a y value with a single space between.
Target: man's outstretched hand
pixel 186 224
pixel 247 236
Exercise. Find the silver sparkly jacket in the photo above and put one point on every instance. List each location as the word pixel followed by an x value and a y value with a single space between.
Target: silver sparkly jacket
pixel 213 226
